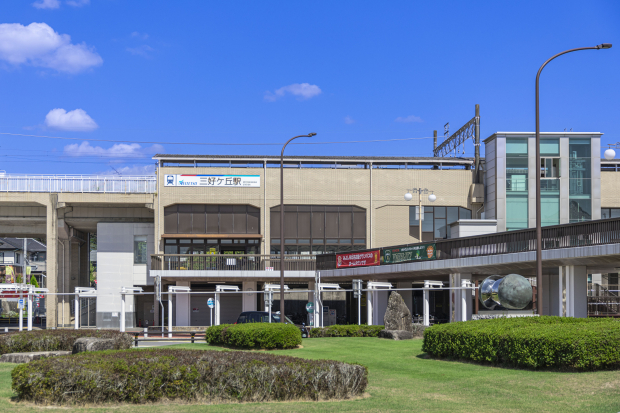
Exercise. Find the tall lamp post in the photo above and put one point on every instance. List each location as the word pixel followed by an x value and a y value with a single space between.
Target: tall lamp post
pixel 420 191
pixel 539 290
pixel 282 315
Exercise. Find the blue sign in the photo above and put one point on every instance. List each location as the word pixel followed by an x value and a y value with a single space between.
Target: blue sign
pixel 210 303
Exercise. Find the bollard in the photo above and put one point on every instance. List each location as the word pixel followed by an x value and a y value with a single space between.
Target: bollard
pixel 6 329
pixel 193 334
pixel 146 332
pixel 136 338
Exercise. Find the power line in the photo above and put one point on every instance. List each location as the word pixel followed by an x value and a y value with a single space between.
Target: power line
pixel 211 144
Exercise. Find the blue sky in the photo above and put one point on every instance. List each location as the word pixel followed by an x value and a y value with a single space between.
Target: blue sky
pixel 261 72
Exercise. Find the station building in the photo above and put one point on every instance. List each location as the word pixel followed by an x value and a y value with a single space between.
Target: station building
pixel 207 221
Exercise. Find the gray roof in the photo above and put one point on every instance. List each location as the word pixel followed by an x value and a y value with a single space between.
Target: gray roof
pixel 312 158
pixel 12 244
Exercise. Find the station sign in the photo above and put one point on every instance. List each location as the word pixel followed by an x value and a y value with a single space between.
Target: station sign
pixel 421 252
pixel 227 181
pixel 358 259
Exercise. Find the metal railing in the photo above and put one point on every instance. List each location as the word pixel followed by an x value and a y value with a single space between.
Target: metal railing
pixel 599 232
pixel 78 183
pixel 230 262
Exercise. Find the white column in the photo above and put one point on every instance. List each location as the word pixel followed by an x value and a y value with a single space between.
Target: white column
pixel 464 291
pixel 122 312
pixel 169 315
pixel 311 288
pixel 183 303
pixel 317 305
pixel 426 307
pixel 30 308
pixel 561 312
pixel 21 309
pixel 249 300
pixel 76 304
pixel 217 309
pixel 369 306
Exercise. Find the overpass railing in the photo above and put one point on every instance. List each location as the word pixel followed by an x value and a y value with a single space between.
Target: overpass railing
pixel 78 183
pixel 230 262
pixel 599 232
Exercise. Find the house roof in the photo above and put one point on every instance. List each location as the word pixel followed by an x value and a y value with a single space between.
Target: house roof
pixel 13 244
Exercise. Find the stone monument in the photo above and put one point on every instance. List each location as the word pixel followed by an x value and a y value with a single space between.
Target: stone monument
pixel 397 319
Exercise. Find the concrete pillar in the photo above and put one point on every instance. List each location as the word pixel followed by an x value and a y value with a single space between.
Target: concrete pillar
pixel 580 291
pixel 216 316
pixel 369 307
pixel 249 302
pixel 183 309
pixel 426 305
pixel 380 305
pixel 407 295
pixel 455 298
pixel 51 281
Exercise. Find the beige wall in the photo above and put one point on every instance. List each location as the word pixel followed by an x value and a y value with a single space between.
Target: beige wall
pixel 387 213
pixel 610 189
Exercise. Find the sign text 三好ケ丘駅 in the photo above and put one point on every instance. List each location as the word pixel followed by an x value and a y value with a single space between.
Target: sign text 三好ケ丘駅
pixel 227 181
pixel 358 259
pixel 413 253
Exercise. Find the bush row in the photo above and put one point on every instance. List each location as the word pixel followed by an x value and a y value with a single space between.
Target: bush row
pixel 57 340
pixel 255 335
pixel 347 331
pixel 142 376
pixel 530 342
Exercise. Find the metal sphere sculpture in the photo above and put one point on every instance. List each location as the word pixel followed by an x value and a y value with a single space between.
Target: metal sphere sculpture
pixel 512 292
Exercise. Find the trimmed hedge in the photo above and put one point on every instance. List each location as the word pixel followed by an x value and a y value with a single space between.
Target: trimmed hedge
pixel 352 330
pixel 57 340
pixel 255 335
pixel 143 376
pixel 530 342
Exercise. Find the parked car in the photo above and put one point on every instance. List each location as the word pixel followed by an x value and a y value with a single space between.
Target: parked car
pixel 263 317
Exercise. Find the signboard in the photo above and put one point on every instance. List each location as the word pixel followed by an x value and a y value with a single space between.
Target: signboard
pixel 268 268
pixel 422 252
pixel 358 259
pixel 210 303
pixel 20 303
pixel 310 307
pixel 10 294
pixel 246 181
pixel 194 310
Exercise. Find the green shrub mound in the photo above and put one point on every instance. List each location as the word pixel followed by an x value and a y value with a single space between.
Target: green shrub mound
pixel 347 331
pixel 530 342
pixel 255 335
pixel 57 340
pixel 143 376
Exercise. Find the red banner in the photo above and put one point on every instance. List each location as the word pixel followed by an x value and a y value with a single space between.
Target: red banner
pixel 358 259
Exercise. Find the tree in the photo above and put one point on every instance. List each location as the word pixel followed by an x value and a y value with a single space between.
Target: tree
pixel 33 281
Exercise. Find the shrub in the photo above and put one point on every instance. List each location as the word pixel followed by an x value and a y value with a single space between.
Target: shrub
pixel 255 335
pixel 56 340
pixel 142 376
pixel 352 330
pixel 530 342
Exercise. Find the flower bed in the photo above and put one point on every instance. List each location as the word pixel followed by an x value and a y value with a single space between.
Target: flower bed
pixel 142 376
pixel 56 340
pixel 530 342
pixel 255 335
pixel 353 330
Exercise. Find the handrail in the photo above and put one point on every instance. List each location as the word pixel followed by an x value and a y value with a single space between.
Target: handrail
pixel 587 233
pixel 145 184
pixel 232 262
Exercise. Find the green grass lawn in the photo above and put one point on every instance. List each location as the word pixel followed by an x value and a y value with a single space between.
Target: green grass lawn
pixel 402 379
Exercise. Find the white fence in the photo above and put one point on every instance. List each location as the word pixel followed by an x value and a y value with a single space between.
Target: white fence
pixel 78 183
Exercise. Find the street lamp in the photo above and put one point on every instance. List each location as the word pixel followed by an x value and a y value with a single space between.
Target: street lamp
pixel 539 296
pixel 408 197
pixel 610 153
pixel 282 314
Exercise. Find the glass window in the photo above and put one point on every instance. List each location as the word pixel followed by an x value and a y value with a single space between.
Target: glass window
pixel 605 213
pixel 516 174
pixel 516 147
pixel 465 213
pixel 550 146
pixel 427 224
pixel 550 209
pixel 615 213
pixel 579 148
pixel 139 249
pixel 516 211
pixel 580 210
pixel 453 214
pixel 2 257
pixel 440 228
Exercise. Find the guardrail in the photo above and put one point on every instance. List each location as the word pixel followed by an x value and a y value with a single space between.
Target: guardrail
pixel 78 183
pixel 580 234
pixel 229 262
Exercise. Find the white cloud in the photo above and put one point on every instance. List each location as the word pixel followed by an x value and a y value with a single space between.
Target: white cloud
pixel 303 91
pixel 78 3
pixel 139 35
pixel 46 4
pixel 118 150
pixel 349 120
pixel 75 120
pixel 39 45
pixel 408 119
pixel 141 50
